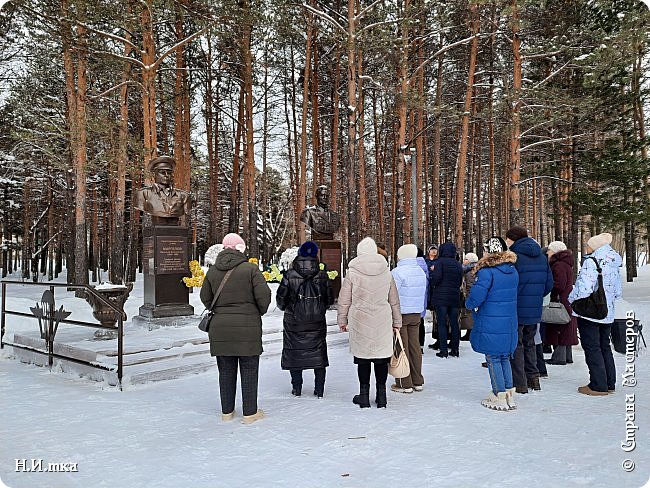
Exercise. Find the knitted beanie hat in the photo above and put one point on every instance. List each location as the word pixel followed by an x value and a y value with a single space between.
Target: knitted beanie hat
pixel 234 241
pixel 600 240
pixel 471 257
pixel 308 249
pixel 557 246
pixel 407 251
pixel 495 244
pixel 367 246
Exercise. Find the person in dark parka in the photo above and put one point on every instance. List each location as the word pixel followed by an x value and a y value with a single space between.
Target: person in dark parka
pixel 305 328
pixel 446 277
pixel 535 282
pixel 236 328
pixel 561 336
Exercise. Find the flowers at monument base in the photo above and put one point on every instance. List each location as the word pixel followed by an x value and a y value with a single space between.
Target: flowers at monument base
pixel 197 275
pixel 273 275
pixel 330 274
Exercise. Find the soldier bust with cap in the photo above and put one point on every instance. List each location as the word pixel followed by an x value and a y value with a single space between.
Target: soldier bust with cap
pixel 161 202
pixel 322 221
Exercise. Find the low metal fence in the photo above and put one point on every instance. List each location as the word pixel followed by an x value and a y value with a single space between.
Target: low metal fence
pixel 49 319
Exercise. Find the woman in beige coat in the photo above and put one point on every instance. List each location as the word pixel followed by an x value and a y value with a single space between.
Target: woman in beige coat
pixel 368 307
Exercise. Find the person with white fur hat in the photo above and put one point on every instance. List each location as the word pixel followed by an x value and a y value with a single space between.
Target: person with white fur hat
pixel 412 287
pixel 369 308
pixel 595 333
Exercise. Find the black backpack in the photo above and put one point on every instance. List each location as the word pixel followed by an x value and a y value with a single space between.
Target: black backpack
pixel 595 305
pixel 311 304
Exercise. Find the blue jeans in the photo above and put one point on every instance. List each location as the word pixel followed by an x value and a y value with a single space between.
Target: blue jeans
pixel 500 372
pixel 443 313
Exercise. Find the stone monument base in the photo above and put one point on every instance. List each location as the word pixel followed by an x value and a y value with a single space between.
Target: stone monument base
pixel 152 323
pixel 165 263
pixel 330 255
pixel 167 310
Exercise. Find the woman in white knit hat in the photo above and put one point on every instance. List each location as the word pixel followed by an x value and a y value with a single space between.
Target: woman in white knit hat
pixel 368 307
pixel 595 333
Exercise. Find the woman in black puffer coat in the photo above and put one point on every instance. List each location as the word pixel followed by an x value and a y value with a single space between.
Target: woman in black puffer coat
pixel 446 277
pixel 304 295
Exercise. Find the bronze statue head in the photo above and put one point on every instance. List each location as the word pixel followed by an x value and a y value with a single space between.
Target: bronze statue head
pixel 163 170
pixel 323 196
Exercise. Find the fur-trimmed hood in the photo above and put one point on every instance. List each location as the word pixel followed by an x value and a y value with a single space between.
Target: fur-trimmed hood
pixel 495 259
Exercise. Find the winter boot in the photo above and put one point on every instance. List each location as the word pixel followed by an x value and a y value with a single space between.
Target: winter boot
pixel 510 398
pixel 296 390
pixel 496 402
pixel 442 354
pixel 522 390
pixel 249 419
pixel 363 398
pixel 228 416
pixel 380 399
pixel 533 383
pixel 435 346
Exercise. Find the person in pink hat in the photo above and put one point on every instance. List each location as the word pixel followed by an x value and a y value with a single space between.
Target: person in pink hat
pixel 236 328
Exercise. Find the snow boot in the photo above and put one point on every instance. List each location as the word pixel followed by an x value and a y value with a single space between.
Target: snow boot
pixel 228 416
pixel 363 398
pixel 533 383
pixel 510 398
pixel 296 390
pixel 249 419
pixel 496 402
pixel 380 399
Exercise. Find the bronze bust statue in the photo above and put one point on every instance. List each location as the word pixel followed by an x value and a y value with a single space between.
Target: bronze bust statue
pixel 322 221
pixel 161 203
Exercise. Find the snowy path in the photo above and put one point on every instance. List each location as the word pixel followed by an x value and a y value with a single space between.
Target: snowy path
pixel 169 434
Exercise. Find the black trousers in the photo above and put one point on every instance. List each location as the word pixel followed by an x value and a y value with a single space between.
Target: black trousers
pixel 319 378
pixel 594 338
pixel 524 364
pixel 249 367
pixel 381 373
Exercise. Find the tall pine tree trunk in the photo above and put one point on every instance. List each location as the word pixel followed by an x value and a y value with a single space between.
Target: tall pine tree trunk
pixel 461 166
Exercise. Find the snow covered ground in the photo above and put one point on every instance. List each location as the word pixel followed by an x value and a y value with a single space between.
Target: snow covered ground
pixel 169 434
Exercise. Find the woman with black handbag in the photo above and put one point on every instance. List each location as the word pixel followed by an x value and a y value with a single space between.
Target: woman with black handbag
pixel 561 336
pixel 599 274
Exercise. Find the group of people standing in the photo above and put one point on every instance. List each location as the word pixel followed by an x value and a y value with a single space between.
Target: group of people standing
pixel 503 294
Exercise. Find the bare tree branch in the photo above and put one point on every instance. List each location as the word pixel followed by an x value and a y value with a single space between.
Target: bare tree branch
pixel 323 15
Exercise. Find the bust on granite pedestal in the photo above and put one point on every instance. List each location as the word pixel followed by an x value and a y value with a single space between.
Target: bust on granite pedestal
pixel 322 221
pixel 166 213
pixel 323 224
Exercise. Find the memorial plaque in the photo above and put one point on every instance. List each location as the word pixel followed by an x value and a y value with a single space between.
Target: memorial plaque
pixel 147 256
pixel 330 254
pixel 171 255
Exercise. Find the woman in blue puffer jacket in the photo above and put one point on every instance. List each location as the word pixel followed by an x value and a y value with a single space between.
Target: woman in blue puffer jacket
pixel 493 299
pixel 411 284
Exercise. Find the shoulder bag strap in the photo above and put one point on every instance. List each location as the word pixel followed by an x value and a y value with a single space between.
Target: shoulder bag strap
pixel 221 285
pixel 598 268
